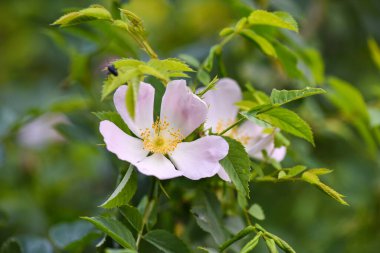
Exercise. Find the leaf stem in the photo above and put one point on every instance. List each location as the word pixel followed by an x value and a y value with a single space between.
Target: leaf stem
pixel 148 210
pixel 232 126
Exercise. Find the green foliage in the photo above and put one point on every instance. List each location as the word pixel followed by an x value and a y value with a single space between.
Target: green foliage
pixel 236 164
pixel 166 241
pixel 25 244
pixel 72 236
pixel 94 12
pixel 113 117
pixel 124 191
pixel 261 41
pixel 289 122
pixel 281 97
pixel 374 50
pixel 311 176
pixel 251 244
pixel 276 19
pixel 208 217
pixel 133 216
pixel 257 212
pixel 115 229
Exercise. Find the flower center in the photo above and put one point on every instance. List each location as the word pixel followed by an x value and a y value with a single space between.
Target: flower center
pixel 233 133
pixel 160 138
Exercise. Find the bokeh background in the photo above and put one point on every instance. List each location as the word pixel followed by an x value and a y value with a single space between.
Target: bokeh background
pixel 52 169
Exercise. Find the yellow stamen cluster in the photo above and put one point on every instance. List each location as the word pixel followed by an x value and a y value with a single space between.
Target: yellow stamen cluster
pixel 233 133
pixel 161 138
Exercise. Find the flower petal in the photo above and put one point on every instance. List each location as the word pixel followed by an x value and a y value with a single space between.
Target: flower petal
pixel 200 158
pixel 181 108
pixel 126 147
pixel 278 154
pixel 143 110
pixel 221 101
pixel 159 166
pixel 265 143
pixel 223 174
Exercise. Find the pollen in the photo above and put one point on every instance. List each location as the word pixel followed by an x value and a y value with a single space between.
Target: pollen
pixel 161 138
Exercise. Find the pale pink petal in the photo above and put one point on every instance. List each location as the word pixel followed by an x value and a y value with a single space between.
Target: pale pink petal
pixel 278 154
pixel 250 129
pixel 127 148
pixel 159 166
pixel 255 148
pixel 200 158
pixel 223 174
pixel 221 101
pixel 143 110
pixel 181 108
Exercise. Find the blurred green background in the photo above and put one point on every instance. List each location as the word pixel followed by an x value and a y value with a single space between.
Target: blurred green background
pixel 52 176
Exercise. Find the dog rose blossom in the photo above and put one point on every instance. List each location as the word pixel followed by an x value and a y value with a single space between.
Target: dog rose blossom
pixel 223 112
pixel 158 148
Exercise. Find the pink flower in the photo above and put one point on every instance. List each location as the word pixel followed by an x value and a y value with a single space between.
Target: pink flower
pixel 223 112
pixel 159 149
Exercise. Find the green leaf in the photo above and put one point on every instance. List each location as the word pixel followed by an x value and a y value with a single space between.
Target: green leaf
pixel 237 165
pixel 208 217
pixel 124 191
pixel 320 171
pixel 288 121
pixel 166 241
pixel 257 212
pixel 289 61
pixel 131 96
pixel 262 42
pixel 72 236
pixel 148 70
pixel 295 171
pixel 281 243
pixel 115 118
pixel 170 65
pixel 26 244
pixel 343 94
pixel 374 116
pixel 120 251
pixel 281 97
pixel 115 229
pixel 242 233
pixel 127 63
pixel 203 76
pixel 113 82
pixel 251 244
pixel 271 245
pixel 190 60
pixel 251 115
pixel 133 216
pixel 209 61
pixel 375 51
pixel 313 179
pixel 276 19
pixel 226 31
pixel 95 12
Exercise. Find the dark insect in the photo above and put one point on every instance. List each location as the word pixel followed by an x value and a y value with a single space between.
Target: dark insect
pixel 112 70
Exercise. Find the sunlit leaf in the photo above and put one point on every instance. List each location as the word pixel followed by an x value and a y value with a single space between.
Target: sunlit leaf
pixel 257 212
pixel 208 217
pixel 72 236
pixel 375 51
pixel 95 12
pixel 124 191
pixel 281 97
pixel 262 42
pixel 277 19
pixel 251 244
pixel 288 121
pixel 115 229
pixel 237 165
pixel 166 241
pixel 133 216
